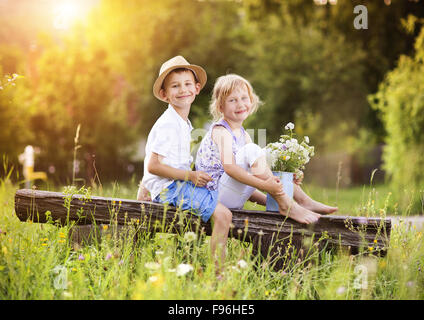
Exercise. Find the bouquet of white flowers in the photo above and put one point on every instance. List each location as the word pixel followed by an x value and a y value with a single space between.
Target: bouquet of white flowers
pixel 288 154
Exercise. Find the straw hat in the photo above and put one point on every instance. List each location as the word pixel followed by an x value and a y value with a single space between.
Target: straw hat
pixel 176 63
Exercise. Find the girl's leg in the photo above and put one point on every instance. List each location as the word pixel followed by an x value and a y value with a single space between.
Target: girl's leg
pixel 287 206
pixel 221 220
pixel 305 201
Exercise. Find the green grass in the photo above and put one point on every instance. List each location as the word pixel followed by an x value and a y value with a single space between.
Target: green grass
pixel 39 261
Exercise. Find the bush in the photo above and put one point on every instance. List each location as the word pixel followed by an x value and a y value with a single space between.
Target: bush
pixel 400 100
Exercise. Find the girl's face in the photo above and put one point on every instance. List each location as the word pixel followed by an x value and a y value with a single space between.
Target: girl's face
pixel 237 105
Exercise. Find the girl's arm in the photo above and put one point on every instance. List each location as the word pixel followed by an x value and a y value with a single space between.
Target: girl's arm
pixel 157 167
pixel 223 139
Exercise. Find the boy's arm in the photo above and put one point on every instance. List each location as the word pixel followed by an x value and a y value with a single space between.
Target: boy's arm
pixel 157 167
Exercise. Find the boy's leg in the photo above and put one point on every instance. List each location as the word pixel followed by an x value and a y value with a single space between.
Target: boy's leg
pixel 305 201
pixel 221 220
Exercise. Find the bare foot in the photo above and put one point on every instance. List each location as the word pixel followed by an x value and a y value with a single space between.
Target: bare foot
pixel 318 207
pixel 289 208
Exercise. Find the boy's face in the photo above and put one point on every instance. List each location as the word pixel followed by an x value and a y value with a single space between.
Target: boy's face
pixel 180 89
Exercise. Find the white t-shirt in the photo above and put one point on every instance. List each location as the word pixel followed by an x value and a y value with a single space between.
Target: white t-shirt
pixel 169 137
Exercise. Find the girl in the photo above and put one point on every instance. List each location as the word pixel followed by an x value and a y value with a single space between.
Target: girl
pixel 237 166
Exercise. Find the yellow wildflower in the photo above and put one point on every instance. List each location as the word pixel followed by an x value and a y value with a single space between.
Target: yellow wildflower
pixel 370 248
pixel 105 227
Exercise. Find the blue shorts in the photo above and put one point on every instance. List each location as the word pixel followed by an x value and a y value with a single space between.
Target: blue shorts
pixel 186 196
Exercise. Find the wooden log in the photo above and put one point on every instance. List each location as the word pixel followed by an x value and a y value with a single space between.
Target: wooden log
pixel 266 230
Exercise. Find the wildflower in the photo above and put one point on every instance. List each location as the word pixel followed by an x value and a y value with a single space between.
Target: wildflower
pixel 246 222
pixel 156 280
pixel 375 240
pixel 306 139
pixel 242 264
pixel 183 269
pixel 190 236
pixel 74 269
pixel 341 290
pixel 44 244
pixel 261 233
pixel 108 256
pixel 105 227
pixel 370 248
pixel 61 241
pixel 81 257
pixel 152 265
pixel 289 126
pixel 239 231
pixel 62 235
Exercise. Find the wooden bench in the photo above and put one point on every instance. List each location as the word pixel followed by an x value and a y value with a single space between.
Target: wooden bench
pixel 271 234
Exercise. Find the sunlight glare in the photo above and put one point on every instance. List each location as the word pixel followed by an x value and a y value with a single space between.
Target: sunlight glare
pixel 66 13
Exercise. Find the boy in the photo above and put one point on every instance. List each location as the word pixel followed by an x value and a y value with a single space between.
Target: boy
pixel 167 173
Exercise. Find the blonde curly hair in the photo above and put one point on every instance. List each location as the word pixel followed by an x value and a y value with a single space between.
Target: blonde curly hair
pixel 223 87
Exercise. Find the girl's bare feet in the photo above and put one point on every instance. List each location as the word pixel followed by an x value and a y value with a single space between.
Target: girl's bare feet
pixel 291 209
pixel 308 203
pixel 318 207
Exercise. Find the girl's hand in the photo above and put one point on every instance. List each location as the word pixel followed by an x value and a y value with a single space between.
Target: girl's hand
pixel 199 178
pixel 297 179
pixel 274 186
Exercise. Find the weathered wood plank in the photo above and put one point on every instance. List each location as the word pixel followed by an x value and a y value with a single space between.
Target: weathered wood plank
pixel 258 227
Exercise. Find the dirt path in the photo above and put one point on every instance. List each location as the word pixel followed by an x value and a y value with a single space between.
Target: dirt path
pixel 417 221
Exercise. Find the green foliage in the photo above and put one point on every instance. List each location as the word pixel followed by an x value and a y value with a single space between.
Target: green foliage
pixel 400 101
pixel 77 86
pixel 13 117
pixel 304 73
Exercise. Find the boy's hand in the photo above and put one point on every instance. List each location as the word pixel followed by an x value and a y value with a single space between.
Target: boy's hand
pixel 274 186
pixel 143 194
pixel 199 178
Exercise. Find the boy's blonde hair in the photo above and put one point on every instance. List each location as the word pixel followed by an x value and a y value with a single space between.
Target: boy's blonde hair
pixel 223 87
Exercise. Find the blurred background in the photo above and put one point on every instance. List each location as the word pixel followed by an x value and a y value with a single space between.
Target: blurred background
pixel 357 93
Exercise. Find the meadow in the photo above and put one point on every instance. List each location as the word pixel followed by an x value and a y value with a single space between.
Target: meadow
pixel 39 261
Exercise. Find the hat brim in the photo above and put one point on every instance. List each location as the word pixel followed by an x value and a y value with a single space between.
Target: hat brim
pixel 199 71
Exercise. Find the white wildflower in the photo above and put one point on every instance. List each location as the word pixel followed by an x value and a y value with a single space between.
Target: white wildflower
pixel 152 265
pixel 306 139
pixel 289 126
pixel 242 264
pixel 190 236
pixel 183 269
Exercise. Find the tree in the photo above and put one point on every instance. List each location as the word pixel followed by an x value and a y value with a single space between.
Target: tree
pixel 400 102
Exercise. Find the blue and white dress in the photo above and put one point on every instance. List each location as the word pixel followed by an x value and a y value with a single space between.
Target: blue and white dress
pixel 231 193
